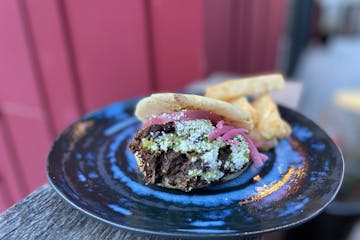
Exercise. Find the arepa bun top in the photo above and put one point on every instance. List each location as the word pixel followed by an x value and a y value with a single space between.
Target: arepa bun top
pixel 159 103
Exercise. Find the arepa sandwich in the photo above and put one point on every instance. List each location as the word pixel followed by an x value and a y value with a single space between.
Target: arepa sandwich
pixel 190 141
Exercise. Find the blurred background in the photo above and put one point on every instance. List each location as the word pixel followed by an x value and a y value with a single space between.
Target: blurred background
pixel 62 59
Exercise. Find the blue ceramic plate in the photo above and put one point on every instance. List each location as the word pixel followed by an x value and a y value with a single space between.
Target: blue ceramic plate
pixel 90 167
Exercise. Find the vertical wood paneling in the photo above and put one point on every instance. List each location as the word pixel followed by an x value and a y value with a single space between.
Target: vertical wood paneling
pixel 241 27
pixel 47 31
pixel 20 98
pixel 257 36
pixel 109 47
pixel 275 31
pixel 5 201
pixel 256 29
pixel 9 186
pixel 178 42
pixel 32 146
pixel 217 24
pixel 16 71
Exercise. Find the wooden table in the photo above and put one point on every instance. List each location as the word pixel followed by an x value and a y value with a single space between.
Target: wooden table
pixel 44 215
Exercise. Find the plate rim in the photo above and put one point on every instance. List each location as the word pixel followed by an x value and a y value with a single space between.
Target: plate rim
pixel 184 234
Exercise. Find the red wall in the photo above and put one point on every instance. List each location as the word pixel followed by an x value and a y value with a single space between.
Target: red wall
pixel 61 59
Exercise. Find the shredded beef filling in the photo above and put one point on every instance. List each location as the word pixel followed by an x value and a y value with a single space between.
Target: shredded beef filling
pixel 171 165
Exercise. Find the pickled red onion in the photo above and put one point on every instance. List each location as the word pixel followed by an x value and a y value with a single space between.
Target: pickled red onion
pixel 219 132
pixel 228 132
pixel 257 157
pixel 233 132
pixel 182 116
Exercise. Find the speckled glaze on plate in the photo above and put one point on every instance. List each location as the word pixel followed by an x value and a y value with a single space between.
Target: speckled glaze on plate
pixel 90 167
